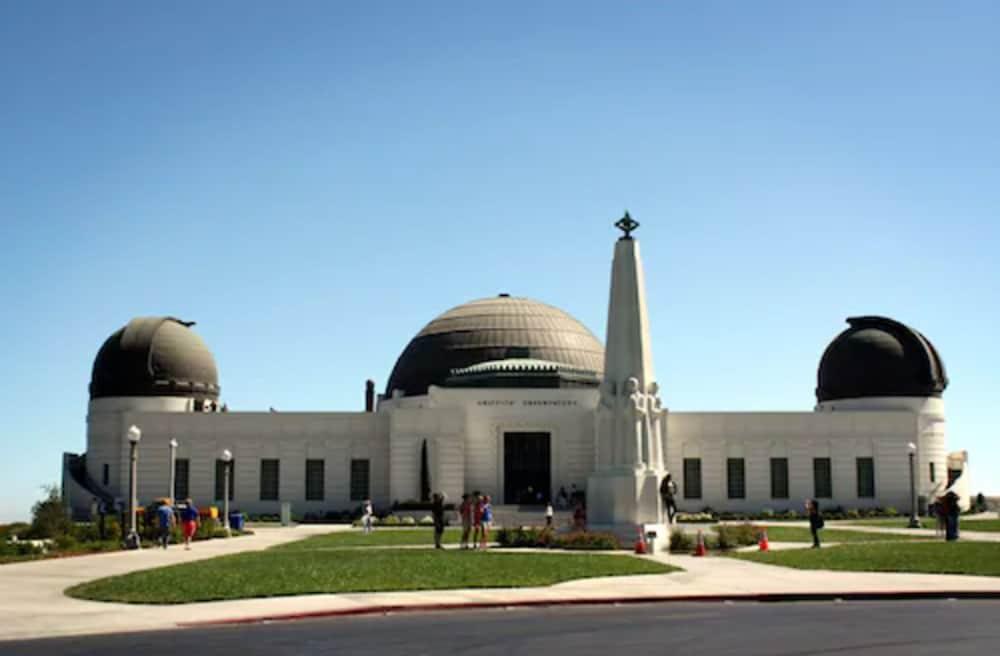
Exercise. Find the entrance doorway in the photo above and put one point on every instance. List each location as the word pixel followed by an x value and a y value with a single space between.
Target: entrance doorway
pixel 527 468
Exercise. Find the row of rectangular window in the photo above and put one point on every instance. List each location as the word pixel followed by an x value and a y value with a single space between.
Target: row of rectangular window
pixel 270 479
pixel 822 478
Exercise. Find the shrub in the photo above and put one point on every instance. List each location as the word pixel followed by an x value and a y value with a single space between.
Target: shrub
pixel 65 542
pixel 694 517
pixel 589 541
pixel 426 520
pixel 389 520
pixel 730 536
pixel 20 548
pixel 408 521
pixel 524 537
pixel 681 542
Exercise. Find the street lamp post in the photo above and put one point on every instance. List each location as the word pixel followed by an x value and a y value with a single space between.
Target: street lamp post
pixel 134 435
pixel 173 470
pixel 227 458
pixel 914 520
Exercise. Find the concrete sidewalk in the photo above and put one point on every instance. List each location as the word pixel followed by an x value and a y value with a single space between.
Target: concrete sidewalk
pixel 34 605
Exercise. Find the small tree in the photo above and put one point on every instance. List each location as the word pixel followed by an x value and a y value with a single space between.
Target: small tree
pixel 425 474
pixel 49 518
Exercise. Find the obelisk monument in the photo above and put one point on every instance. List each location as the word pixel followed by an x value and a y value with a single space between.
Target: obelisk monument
pixel 623 492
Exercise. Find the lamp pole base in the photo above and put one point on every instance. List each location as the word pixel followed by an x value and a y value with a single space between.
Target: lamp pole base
pixel 914 522
pixel 132 541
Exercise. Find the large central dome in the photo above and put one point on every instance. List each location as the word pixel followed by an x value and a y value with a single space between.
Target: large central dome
pixel 493 329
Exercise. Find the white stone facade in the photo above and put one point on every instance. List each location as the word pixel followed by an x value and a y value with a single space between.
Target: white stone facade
pixel 465 428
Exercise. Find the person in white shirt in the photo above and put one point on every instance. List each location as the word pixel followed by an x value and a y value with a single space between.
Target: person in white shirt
pixel 548 514
pixel 368 516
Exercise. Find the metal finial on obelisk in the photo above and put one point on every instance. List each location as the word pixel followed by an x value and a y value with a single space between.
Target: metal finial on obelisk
pixel 627 224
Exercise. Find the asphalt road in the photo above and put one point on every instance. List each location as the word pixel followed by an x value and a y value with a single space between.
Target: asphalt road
pixel 681 629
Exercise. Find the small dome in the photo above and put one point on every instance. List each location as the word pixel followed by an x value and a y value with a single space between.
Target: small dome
pixel 878 357
pixel 493 329
pixel 155 356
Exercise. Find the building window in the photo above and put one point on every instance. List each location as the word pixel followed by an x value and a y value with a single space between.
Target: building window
pixel 360 474
pixel 182 469
pixel 270 471
pixel 314 480
pixel 692 478
pixel 866 478
pixel 779 478
pixel 106 474
pixel 736 487
pixel 932 472
pixel 822 478
pixel 220 477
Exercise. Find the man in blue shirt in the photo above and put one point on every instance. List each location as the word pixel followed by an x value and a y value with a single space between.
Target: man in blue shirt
pixel 165 515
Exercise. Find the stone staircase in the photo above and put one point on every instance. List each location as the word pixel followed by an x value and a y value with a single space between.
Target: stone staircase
pixel 512 516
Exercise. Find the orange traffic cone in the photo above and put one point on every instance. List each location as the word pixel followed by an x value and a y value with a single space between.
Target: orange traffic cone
pixel 640 543
pixel 762 543
pixel 699 549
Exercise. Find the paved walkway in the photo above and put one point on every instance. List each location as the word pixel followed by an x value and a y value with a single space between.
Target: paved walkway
pixel 33 604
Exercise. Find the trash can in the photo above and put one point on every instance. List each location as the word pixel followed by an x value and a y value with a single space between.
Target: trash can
pixel 651 540
pixel 236 521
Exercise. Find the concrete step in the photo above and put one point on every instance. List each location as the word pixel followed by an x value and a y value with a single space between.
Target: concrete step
pixel 511 516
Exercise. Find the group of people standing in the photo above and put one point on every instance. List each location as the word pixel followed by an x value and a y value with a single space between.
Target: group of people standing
pixel 476 512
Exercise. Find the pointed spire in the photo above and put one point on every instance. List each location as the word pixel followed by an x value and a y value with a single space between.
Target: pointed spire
pixel 628 352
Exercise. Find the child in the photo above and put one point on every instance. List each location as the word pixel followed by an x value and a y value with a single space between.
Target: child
pixel 487 519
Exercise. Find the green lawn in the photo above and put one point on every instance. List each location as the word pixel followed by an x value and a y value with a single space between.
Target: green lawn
pixel 991 525
pixel 380 537
pixel 977 558
pixel 802 534
pixel 278 572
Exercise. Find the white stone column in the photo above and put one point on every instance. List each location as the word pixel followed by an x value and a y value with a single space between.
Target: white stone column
pixel 623 492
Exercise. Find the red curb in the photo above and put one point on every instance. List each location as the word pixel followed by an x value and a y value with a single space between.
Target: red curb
pixel 585 601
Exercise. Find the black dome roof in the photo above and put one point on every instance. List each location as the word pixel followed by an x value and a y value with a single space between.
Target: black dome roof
pixel 492 329
pixel 155 356
pixel 878 356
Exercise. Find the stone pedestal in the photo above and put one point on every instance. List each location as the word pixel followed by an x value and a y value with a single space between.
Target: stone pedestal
pixel 620 501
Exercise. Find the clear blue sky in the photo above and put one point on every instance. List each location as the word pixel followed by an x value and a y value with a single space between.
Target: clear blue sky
pixel 313 182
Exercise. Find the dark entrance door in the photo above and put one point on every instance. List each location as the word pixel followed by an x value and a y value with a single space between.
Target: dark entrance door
pixel 526 465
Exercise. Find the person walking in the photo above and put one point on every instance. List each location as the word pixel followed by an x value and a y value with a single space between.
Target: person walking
pixel 937 511
pixel 951 517
pixel 189 522
pixel 465 511
pixel 437 513
pixel 580 517
pixel 367 516
pixel 487 519
pixel 477 520
pixel 815 520
pixel 548 515
pixel 165 517
pixel 668 493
